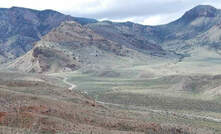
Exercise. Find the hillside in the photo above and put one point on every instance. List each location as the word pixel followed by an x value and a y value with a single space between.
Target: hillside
pixel 72 46
pixel 196 29
pixel 49 108
pixel 21 27
pixel 66 48
pixel 87 76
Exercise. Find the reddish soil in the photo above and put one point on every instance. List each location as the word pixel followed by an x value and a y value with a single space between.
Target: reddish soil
pixel 68 112
pixel 2 115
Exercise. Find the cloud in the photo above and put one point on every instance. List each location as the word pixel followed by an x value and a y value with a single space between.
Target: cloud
pixel 151 12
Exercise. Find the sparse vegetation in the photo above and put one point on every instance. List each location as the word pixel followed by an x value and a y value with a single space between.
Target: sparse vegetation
pixel 33 111
pixel 130 78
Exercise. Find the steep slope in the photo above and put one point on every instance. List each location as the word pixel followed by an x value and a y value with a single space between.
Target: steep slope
pixel 190 30
pixel 21 27
pixel 195 21
pixel 211 37
pixel 198 27
pixel 132 35
pixel 66 48
pixel 101 42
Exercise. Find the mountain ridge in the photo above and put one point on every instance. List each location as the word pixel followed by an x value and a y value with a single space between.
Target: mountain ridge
pixel 21 27
pixel 58 50
pixel 175 40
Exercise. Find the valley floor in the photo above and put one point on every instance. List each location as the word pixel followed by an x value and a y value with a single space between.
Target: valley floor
pixel 190 99
pixel 135 99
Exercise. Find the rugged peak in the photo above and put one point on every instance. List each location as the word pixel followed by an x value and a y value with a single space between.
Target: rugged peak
pixel 200 11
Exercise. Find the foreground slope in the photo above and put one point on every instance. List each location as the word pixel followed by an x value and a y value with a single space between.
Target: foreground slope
pixel 34 104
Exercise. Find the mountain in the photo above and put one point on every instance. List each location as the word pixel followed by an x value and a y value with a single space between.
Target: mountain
pixel 200 11
pixel 66 48
pixel 81 42
pixel 133 35
pixel 72 45
pixel 168 75
pixel 202 21
pixel 186 31
pixel 21 27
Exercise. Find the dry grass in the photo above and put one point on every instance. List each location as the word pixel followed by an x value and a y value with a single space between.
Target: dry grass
pixel 63 111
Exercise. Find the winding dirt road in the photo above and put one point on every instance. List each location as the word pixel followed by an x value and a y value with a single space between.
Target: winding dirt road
pixel 72 86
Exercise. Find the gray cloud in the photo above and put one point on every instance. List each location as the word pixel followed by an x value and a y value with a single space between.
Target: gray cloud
pixel 141 10
pixel 149 12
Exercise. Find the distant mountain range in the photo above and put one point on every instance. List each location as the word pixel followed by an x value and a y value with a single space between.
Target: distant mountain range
pixel 65 43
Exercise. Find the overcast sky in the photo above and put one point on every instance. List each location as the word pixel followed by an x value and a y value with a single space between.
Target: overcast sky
pixel 148 12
